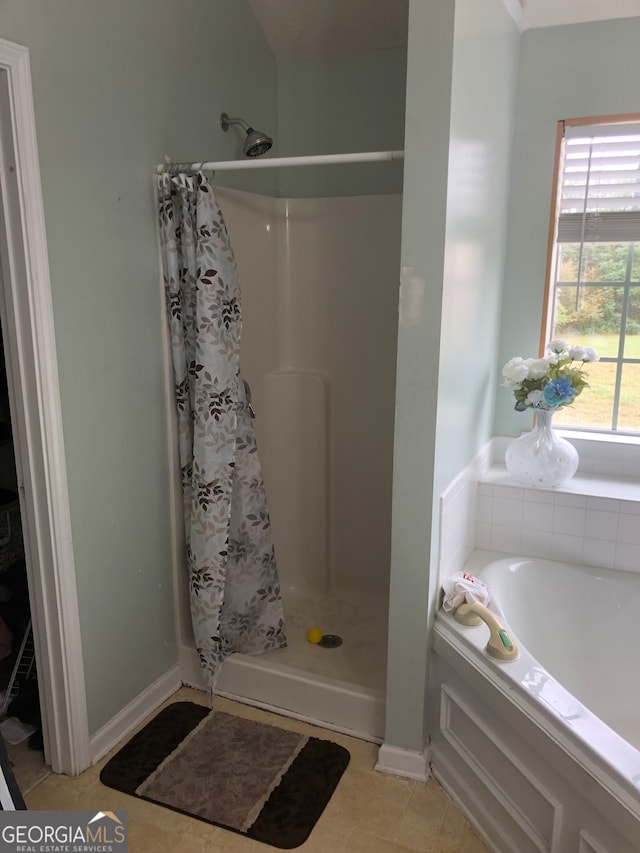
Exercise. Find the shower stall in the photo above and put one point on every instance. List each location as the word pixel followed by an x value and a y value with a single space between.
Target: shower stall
pixel 319 279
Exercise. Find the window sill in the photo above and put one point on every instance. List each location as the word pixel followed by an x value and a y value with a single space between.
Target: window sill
pixel 609 466
pixel 589 484
pixel 600 438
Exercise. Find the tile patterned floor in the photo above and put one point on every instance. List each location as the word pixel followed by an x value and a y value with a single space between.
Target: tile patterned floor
pixel 29 766
pixel 369 812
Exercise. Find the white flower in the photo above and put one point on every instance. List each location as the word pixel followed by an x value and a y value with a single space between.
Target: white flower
pixel 514 371
pixel 578 354
pixel 549 382
pixel 536 398
pixel 590 354
pixel 537 367
pixel 558 345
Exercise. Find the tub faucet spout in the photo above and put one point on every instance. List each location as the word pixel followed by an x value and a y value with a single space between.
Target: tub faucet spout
pixel 501 645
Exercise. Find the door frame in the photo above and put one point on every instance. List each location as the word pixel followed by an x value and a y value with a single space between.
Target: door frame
pixel 26 310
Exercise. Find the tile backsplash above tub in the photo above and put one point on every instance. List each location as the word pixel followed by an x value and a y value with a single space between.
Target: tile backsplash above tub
pixel 592 520
pixel 558 525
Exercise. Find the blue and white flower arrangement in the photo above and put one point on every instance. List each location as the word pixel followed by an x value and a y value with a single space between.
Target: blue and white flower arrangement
pixel 549 382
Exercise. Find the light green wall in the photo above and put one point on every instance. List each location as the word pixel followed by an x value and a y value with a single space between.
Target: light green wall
pixel 565 72
pixel 462 60
pixel 342 104
pixel 429 72
pixel 116 86
pixel 485 61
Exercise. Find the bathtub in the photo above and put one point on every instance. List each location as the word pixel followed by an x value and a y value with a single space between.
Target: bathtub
pixel 543 753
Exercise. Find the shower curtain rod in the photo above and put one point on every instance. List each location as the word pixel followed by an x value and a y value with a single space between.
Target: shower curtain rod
pixel 275 162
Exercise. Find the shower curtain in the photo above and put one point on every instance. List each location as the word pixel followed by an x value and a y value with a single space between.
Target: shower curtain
pixel 233 580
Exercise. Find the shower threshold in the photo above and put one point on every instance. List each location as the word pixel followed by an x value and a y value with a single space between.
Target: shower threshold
pixel 341 688
pixel 326 702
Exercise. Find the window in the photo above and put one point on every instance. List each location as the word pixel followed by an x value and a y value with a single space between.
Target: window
pixel 594 280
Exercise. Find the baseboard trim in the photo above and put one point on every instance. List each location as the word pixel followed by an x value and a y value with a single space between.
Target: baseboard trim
pixel 403 762
pixel 118 727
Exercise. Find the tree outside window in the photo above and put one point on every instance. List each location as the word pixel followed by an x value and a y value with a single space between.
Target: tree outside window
pixel 595 268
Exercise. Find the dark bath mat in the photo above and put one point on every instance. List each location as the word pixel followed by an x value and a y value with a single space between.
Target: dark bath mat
pixel 264 782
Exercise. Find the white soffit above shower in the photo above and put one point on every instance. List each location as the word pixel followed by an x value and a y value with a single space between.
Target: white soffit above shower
pixel 308 29
pixel 551 13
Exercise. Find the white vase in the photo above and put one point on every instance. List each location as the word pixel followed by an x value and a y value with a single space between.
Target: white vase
pixel 541 458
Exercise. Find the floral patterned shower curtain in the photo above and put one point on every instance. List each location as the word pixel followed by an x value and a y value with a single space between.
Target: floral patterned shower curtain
pixel 234 588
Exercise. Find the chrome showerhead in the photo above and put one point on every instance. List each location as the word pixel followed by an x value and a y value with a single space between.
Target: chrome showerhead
pixel 255 143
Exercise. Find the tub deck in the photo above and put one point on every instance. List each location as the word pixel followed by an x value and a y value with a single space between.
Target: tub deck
pixel 530 762
pixel 580 624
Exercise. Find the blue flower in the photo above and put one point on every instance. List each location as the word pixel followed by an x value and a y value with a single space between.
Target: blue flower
pixel 560 390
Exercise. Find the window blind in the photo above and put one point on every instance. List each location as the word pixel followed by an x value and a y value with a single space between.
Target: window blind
pixel 599 197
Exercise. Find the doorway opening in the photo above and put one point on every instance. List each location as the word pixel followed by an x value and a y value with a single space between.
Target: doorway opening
pixel 26 316
pixel 20 717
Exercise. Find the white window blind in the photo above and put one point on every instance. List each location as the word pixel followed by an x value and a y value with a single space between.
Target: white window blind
pixel 599 198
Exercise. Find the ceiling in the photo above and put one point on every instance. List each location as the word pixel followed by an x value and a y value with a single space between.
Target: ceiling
pixel 309 29
pixel 550 13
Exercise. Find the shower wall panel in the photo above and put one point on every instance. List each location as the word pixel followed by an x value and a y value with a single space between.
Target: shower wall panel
pixel 319 281
pixel 344 263
pixel 291 404
pixel 255 232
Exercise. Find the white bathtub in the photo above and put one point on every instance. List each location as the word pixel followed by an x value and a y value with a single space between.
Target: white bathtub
pixel 543 753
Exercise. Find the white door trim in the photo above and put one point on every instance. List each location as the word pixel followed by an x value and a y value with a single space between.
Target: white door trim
pixel 27 315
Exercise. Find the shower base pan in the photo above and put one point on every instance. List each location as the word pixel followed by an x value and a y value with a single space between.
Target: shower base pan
pixel 340 688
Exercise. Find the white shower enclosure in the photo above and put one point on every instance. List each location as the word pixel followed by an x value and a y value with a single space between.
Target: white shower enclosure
pixel 319 279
